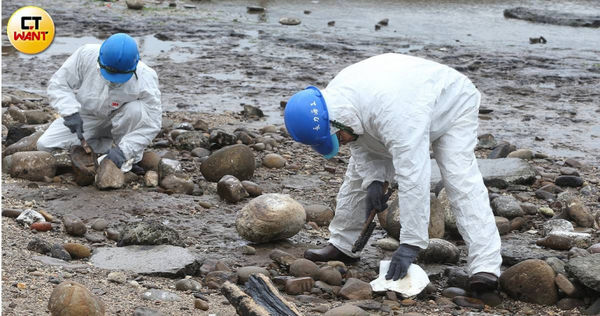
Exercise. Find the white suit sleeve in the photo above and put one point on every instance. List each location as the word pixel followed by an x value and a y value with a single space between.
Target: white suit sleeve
pixel 63 83
pixel 408 143
pixel 134 143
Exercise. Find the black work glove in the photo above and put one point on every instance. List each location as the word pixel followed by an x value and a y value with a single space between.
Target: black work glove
pixel 75 124
pixel 116 155
pixel 376 198
pixel 402 258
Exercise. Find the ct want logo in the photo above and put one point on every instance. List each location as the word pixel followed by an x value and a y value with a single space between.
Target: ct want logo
pixel 30 30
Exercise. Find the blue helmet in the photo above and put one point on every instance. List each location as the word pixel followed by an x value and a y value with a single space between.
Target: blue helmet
pixel 118 58
pixel 307 120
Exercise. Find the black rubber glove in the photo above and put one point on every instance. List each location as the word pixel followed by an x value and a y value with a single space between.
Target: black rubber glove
pixel 116 155
pixel 376 198
pixel 75 124
pixel 402 258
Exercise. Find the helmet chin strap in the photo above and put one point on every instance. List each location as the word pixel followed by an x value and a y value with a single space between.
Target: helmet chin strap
pixel 343 127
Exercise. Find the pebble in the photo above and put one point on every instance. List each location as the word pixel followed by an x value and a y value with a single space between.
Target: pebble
pixel 99 224
pixel 244 273
pixel 252 188
pixel 29 216
pixel 74 226
pixel 573 163
pixel 567 171
pixel 77 251
pixel 304 268
pixel 188 285
pixel 94 237
pixel 347 310
pixel 569 181
pixel 580 213
pixel 507 206
pixel 59 252
pixel 151 179
pixel 11 213
pixel 544 195
pixel 451 292
pixel 503 225
pixel 248 250
pixel 577 252
pixel 47 216
pixel 546 211
pixel 160 295
pixel 439 251
pixel 117 277
pixel 41 226
pixel 469 302
pixel 319 213
pixel 289 21
pixel 457 277
pixel 295 286
pixel 255 9
pixel 330 275
pixel 109 176
pixel 355 289
pixel 216 279
pixel 39 246
pixel 273 161
pixel 556 225
pixel 526 154
pixel 72 298
pixel 387 243
pixel 595 248
pixel 113 234
pixel 145 311
pixel 201 304
pixel 230 189
pixel 135 4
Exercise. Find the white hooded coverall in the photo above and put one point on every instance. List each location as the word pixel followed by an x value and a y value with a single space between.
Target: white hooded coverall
pixel 398 105
pixel 128 114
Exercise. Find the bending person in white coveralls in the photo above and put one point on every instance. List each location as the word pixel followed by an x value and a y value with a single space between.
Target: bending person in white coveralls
pixel 388 109
pixel 106 95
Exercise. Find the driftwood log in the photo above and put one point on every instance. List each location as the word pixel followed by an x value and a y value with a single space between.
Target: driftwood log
pixel 260 299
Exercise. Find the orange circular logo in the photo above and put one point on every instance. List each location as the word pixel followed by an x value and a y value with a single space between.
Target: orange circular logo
pixel 30 30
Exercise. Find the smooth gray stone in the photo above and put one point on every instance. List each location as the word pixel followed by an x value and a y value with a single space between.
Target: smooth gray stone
pixel 586 270
pixel 511 170
pixel 162 260
pixel 59 263
pixel 521 248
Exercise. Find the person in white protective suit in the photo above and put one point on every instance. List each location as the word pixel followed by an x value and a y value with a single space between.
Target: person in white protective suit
pixel 389 109
pixel 105 95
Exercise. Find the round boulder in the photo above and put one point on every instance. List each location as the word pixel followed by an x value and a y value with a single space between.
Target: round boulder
pixel 71 298
pixel 270 217
pixel 439 251
pixel 530 281
pixel 236 160
pixel 389 219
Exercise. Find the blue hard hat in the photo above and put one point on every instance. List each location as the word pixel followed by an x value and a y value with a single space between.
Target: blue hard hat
pixel 118 58
pixel 307 120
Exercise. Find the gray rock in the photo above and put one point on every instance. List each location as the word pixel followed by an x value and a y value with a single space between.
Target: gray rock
pixel 389 219
pixel 252 111
pixel 509 170
pixel 569 181
pixel 507 206
pixel 168 167
pixel 200 125
pixel 58 251
pixel 255 9
pixel 565 240
pixel 163 260
pixel 200 152
pixel 439 251
pixel 94 237
pixel 594 309
pixel 586 270
pixel 252 188
pixel 49 261
pixel 109 176
pixel 500 151
pixel 28 217
pixel 113 234
pixel 230 189
pixel 529 208
pixel 552 17
pixel 503 225
pixel 145 311
pixel 457 277
pixel 39 246
pixel 188 285
pixel 30 165
pixel 74 226
pixel 176 184
pixel 558 225
pixel 568 171
pixel 557 265
pixel 577 252
pixel 190 140
pixel 519 248
pixel 274 161
pixel 219 139
pixel 486 141
pixel 216 279
pixel 530 281
pixel 347 310
pixel 236 160
pixel 244 273
pixel 150 232
pixel 99 224
pixel 270 217
pixel 318 213
pixel 160 295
